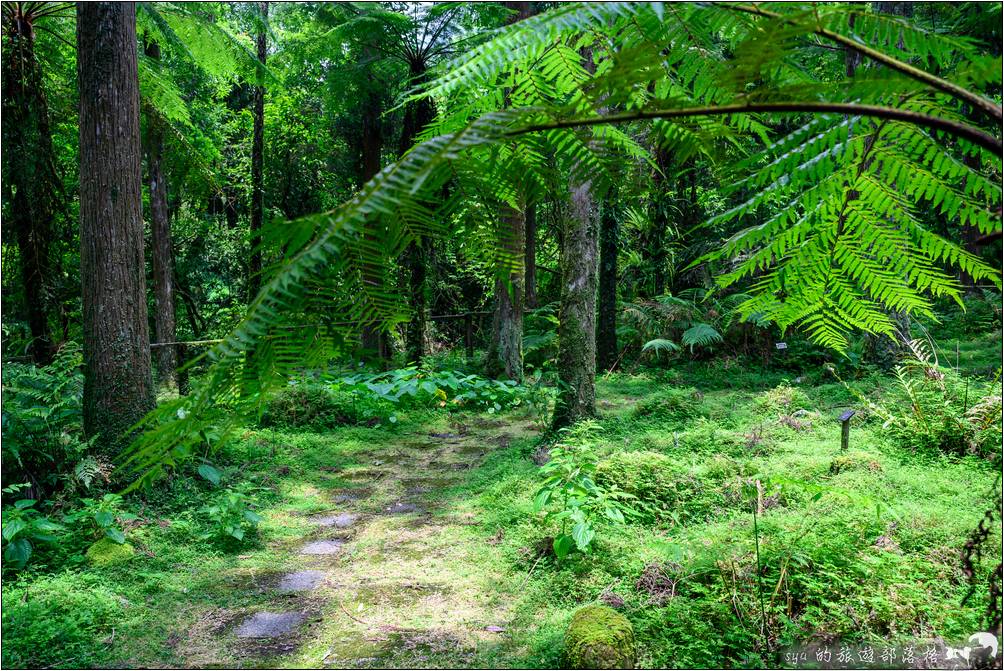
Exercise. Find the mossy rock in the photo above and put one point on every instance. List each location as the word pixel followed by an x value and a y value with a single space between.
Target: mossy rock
pixel 107 551
pixel 599 638
pixel 854 461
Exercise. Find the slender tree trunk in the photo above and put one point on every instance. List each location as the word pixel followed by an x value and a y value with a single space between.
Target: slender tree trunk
pixel 162 252
pixel 606 326
pixel 258 163
pixel 118 385
pixel 530 259
pixel 29 169
pixel 416 260
pixel 577 331
pixel 417 115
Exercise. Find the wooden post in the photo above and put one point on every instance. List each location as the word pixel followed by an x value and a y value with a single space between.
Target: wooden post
pixel 469 334
pixel 845 429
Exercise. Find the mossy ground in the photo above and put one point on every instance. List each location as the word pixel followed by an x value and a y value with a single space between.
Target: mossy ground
pixel 458 581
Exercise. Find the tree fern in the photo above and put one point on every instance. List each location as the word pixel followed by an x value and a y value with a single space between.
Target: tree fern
pixel 831 237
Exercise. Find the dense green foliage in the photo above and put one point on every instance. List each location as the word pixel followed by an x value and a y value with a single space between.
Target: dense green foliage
pixel 359 215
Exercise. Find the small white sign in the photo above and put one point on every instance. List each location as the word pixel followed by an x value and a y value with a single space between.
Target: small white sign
pixel 781 345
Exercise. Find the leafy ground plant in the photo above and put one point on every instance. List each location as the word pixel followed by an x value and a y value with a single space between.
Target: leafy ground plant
pixel 105 517
pixel 23 526
pixel 231 515
pixel 451 389
pixel 579 502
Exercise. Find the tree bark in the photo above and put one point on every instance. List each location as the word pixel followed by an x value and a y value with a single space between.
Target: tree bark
pixel 258 163
pixel 577 317
pixel 29 169
pixel 118 385
pixel 606 326
pixel 164 327
pixel 577 331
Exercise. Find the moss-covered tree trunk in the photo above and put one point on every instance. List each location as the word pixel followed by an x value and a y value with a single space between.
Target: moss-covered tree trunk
pixel 577 330
pixel 162 249
pixel 606 324
pixel 29 171
pixel 118 386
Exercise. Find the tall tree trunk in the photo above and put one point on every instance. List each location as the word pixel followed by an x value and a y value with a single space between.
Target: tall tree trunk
pixel 258 162
pixel 118 385
pixel 577 330
pixel 29 169
pixel 417 115
pixel 659 216
pixel 505 351
pixel 606 326
pixel 530 258
pixel 162 251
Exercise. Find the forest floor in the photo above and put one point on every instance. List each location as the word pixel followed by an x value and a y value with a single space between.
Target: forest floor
pixel 415 544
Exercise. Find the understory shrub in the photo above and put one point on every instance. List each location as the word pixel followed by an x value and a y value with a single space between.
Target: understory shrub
pixel 671 404
pixel 662 489
pixel 43 434
pixel 781 400
pixel 451 389
pixel 317 407
pixel 934 408
pixel 59 621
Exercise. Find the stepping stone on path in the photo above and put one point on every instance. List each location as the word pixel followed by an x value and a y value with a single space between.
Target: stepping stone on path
pixel 300 581
pixel 350 496
pixel 269 625
pixel 401 508
pixel 328 547
pixel 340 520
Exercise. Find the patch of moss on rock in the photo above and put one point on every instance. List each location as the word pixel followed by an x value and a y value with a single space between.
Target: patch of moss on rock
pixel 107 551
pixel 599 638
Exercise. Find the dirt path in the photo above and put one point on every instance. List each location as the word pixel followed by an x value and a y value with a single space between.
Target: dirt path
pixel 392 573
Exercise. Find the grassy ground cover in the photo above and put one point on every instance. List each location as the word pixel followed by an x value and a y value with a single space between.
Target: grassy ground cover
pixel 443 562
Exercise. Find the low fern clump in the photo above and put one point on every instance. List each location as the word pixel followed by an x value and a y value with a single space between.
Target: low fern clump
pixel 932 407
pixel 43 433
